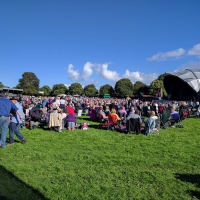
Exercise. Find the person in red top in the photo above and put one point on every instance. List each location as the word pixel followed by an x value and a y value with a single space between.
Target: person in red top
pixel 70 110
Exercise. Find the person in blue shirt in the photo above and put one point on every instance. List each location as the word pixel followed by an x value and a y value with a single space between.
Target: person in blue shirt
pixel 174 116
pixel 5 108
pixel 15 123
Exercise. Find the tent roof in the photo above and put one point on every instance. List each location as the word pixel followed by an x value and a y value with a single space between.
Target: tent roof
pixel 190 76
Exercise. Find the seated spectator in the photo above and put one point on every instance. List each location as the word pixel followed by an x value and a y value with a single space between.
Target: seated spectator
pixel 113 118
pixel 161 108
pixel 150 124
pixel 101 115
pixel 107 111
pixel 196 108
pixel 134 115
pixel 122 110
pixel 93 113
pixel 183 105
pixel 191 106
pixel 174 116
pixel 155 108
pixel 132 110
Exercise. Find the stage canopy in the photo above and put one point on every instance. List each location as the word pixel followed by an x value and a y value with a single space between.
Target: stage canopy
pixel 183 84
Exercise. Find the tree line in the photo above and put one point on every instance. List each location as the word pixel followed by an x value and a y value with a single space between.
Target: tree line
pixel 124 87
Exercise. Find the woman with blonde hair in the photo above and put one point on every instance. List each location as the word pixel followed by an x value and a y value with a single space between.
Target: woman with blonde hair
pixel 113 118
pixel 150 124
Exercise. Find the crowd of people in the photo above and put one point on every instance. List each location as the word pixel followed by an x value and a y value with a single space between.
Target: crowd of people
pixel 112 111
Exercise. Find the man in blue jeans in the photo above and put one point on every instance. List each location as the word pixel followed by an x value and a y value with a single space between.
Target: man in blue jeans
pixel 15 123
pixel 5 108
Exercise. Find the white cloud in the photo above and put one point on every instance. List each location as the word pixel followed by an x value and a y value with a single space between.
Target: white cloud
pixel 191 65
pixel 87 70
pixel 103 72
pixel 73 75
pixel 167 55
pixel 195 51
pixel 138 76
pixel 67 85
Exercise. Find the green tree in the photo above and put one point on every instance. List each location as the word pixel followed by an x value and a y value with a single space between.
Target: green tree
pixel 124 87
pixel 90 90
pixel 59 89
pixel 46 89
pixel 75 88
pixel 162 76
pixel 3 86
pixel 106 89
pixel 139 87
pixel 154 87
pixel 29 83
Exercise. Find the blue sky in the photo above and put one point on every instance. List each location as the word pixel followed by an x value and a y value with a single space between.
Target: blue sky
pixel 97 41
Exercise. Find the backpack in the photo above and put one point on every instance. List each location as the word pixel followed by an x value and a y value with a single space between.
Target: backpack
pixel 84 126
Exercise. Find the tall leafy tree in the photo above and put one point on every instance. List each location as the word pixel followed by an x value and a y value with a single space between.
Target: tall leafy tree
pixel 154 87
pixel 29 83
pixel 59 89
pixel 106 89
pixel 46 89
pixel 90 90
pixel 3 86
pixel 124 87
pixel 75 88
pixel 139 87
pixel 162 76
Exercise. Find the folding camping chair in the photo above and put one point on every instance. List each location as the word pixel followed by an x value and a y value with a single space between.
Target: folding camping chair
pixel 55 122
pixel 133 125
pixel 184 114
pixel 164 118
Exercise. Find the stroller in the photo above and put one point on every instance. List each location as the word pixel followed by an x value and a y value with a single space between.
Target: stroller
pixel 35 119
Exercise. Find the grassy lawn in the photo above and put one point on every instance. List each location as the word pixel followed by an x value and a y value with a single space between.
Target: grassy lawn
pixel 101 164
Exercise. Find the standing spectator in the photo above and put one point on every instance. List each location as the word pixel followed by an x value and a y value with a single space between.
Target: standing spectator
pixel 45 102
pixel 5 107
pixel 15 123
pixel 62 103
pixel 56 103
pixel 71 119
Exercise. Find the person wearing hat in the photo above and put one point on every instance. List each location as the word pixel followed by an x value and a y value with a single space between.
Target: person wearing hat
pixel 5 107
pixel 15 123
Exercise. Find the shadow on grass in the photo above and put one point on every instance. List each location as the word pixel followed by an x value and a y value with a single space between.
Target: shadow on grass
pixel 13 188
pixel 96 126
pixel 192 178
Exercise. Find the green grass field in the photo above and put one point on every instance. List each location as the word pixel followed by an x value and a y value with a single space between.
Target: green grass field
pixel 101 164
